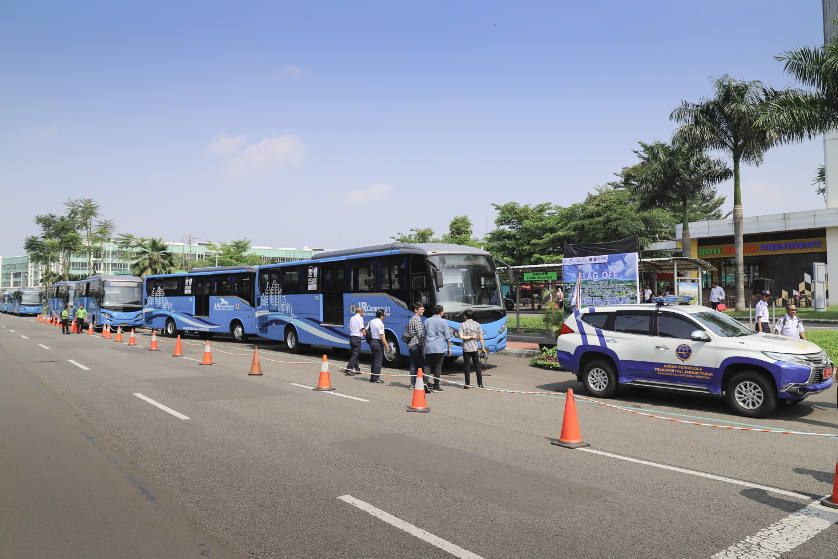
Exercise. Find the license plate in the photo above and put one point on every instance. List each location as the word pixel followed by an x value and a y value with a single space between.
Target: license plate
pixel 827 373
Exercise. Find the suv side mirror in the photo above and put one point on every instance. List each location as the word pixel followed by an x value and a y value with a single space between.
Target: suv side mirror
pixel 699 336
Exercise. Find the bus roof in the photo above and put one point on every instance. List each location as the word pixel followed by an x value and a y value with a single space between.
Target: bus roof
pixel 105 277
pixel 425 249
pixel 205 271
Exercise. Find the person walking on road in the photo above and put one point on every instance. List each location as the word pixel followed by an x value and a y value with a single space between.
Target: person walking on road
pixel 81 317
pixel 791 325
pixel 377 343
pixel 65 317
pixel 717 295
pixel 437 343
pixel 470 333
pixel 356 336
pixel 415 334
pixel 762 321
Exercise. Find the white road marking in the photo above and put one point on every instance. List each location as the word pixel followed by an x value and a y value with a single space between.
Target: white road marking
pixel 43 346
pixel 79 365
pixel 195 360
pixel 24 337
pixel 161 406
pixel 330 392
pixel 767 488
pixel 12 331
pixel 424 535
pixel 784 535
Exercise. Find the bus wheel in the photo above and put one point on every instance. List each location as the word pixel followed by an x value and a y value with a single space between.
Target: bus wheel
pixel 171 328
pixel 237 331
pixel 392 356
pixel 291 340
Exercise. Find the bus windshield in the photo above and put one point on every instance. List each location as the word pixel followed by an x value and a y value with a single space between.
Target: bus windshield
pixel 126 295
pixel 468 280
pixel 30 298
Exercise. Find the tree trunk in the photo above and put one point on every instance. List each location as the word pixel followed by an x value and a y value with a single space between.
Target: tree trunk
pixel 685 232
pixel 738 233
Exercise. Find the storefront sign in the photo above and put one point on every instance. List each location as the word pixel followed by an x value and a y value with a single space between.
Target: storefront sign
pixel 793 246
pixel 541 276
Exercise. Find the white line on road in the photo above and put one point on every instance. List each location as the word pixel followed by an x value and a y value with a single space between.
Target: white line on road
pixel 12 331
pixel 330 392
pixel 79 365
pixel 184 357
pixel 444 545
pixel 161 406
pixel 24 337
pixel 784 535
pixel 701 474
pixel 43 346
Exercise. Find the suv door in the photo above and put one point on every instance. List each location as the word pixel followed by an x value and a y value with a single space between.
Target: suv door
pixel 631 340
pixel 680 360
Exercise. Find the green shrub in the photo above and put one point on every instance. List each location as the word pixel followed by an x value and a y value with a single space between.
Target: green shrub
pixel 546 359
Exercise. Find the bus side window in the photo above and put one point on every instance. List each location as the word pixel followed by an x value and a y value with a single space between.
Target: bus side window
pixel 290 281
pixel 363 275
pixel 264 281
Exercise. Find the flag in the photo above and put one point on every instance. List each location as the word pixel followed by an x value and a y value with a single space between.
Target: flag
pixel 577 292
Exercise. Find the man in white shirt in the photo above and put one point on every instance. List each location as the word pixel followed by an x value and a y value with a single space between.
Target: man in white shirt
pixel 761 318
pixel 356 335
pixel 790 325
pixel 379 340
pixel 717 295
pixel 647 294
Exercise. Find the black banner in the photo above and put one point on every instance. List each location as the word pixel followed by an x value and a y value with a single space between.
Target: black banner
pixel 629 244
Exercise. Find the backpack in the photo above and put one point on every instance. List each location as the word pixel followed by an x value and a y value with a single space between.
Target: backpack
pixel 368 331
pixel 406 335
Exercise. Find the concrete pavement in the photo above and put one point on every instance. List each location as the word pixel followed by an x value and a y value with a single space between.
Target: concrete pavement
pixel 261 465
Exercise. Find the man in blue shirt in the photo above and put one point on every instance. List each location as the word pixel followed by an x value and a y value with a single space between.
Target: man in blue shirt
pixel 437 343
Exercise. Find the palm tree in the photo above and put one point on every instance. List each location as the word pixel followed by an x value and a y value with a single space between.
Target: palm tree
pixel 676 176
pixel 153 258
pixel 730 122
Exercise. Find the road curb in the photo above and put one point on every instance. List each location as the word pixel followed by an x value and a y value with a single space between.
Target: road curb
pixel 526 353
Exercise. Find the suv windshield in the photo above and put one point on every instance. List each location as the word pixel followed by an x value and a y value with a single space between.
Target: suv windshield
pixel 721 324
pixel 122 294
pixel 468 280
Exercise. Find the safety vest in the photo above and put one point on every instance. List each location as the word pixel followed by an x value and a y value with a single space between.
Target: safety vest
pixel 65 314
pixel 81 314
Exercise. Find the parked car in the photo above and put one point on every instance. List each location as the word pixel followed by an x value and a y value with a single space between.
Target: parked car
pixel 690 349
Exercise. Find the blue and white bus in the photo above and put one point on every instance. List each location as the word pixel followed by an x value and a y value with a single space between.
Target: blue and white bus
pixel 310 302
pixel 112 300
pixel 216 300
pixel 6 302
pixel 27 301
pixel 59 295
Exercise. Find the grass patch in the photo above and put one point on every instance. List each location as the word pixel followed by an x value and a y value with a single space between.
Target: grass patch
pixel 536 322
pixel 831 313
pixel 827 340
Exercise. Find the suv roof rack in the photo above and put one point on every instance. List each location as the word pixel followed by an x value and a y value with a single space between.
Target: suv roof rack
pixel 671 300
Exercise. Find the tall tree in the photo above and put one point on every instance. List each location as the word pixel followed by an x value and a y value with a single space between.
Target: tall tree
pixel 460 231
pixel 526 234
pixel 424 235
pixel 675 176
pixel 84 212
pixel 236 253
pixel 730 122
pixel 154 257
pixel 60 239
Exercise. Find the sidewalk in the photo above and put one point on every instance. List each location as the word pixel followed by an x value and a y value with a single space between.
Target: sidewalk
pixel 521 349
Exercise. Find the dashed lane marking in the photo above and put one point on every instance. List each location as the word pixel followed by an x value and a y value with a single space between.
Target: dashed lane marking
pixel 784 535
pixel 24 337
pixel 715 477
pixel 332 393
pixel 43 346
pixel 189 358
pixel 12 331
pixel 423 535
pixel 160 406
pixel 79 365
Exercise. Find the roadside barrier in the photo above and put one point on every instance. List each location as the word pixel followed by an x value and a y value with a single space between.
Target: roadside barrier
pixel 178 352
pixel 153 346
pixel 207 360
pixel 418 403
pixel 832 500
pixel 255 367
pixel 132 340
pixel 118 337
pixel 325 381
pixel 570 437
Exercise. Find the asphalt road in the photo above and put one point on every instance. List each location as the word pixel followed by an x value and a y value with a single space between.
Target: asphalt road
pixel 263 467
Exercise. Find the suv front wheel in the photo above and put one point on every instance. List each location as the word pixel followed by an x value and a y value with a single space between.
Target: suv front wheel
pixel 599 378
pixel 751 394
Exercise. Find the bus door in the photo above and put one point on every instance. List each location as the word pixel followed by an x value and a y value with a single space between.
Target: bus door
pixel 333 281
pixel 201 287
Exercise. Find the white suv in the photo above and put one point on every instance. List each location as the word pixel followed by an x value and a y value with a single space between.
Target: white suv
pixel 693 349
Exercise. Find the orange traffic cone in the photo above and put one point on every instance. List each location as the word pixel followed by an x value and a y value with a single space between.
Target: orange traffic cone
pixel 90 329
pixel 153 346
pixel 255 367
pixel 570 437
pixel 207 355
pixel 106 332
pixel 178 352
pixel 73 327
pixel 118 337
pixel 38 319
pixel 325 382
pixel 419 403
pixel 132 340
pixel 832 501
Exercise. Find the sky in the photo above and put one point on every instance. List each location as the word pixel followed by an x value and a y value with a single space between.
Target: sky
pixel 340 124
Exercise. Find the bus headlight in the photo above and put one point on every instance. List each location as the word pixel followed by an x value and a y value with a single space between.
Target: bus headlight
pixel 502 329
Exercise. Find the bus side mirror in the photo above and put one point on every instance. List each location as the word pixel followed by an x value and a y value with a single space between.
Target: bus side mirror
pixel 438 278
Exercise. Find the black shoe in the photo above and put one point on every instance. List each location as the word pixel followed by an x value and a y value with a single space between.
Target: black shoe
pixel 479 386
pixel 466 387
pixel 428 390
pixel 437 388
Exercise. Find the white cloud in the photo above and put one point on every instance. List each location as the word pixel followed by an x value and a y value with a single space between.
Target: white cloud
pixel 294 71
pixel 224 145
pixel 255 159
pixel 372 193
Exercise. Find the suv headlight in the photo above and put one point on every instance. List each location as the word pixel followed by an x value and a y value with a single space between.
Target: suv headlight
pixel 788 358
